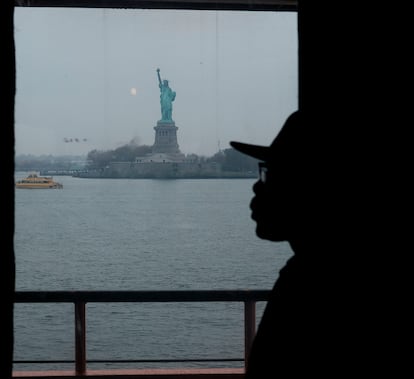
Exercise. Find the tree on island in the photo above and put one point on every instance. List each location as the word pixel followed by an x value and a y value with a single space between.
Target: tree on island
pixel 232 160
pixel 126 153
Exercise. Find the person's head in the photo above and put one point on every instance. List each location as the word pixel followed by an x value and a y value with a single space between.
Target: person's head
pixel 283 204
pixel 165 82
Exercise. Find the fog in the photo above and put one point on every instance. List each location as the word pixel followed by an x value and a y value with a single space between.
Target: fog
pixel 86 78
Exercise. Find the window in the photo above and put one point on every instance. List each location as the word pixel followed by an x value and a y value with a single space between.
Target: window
pixel 87 82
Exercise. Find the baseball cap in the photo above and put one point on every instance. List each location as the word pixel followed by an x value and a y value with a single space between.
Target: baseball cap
pixel 282 141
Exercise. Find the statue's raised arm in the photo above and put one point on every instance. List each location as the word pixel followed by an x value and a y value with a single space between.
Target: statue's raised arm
pixel 159 77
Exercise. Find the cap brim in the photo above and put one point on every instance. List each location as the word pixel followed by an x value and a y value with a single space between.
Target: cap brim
pixel 255 151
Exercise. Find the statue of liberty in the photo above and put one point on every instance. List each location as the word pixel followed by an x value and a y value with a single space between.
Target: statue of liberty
pixel 167 96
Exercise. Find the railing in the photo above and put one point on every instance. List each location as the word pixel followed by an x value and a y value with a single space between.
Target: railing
pixel 81 298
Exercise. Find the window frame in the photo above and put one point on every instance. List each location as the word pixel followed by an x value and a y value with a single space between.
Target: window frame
pixel 248 5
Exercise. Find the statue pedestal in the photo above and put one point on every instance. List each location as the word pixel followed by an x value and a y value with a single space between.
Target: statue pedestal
pixel 166 138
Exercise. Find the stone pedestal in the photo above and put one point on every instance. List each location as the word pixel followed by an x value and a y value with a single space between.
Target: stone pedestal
pixel 165 138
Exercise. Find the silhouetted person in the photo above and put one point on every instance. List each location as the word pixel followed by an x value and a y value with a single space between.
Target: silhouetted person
pixel 314 324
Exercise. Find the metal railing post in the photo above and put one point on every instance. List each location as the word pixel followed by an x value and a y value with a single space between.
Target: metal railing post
pixel 80 337
pixel 249 327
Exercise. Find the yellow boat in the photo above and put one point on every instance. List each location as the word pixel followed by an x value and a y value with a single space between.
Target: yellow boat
pixel 34 181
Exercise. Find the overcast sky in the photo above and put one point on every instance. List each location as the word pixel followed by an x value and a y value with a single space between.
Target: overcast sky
pixel 90 75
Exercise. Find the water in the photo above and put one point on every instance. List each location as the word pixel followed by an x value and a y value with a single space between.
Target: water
pixel 120 234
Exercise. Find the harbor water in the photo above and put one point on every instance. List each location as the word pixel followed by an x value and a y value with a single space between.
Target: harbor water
pixel 121 234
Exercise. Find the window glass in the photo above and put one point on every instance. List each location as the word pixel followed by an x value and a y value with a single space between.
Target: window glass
pixel 88 113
